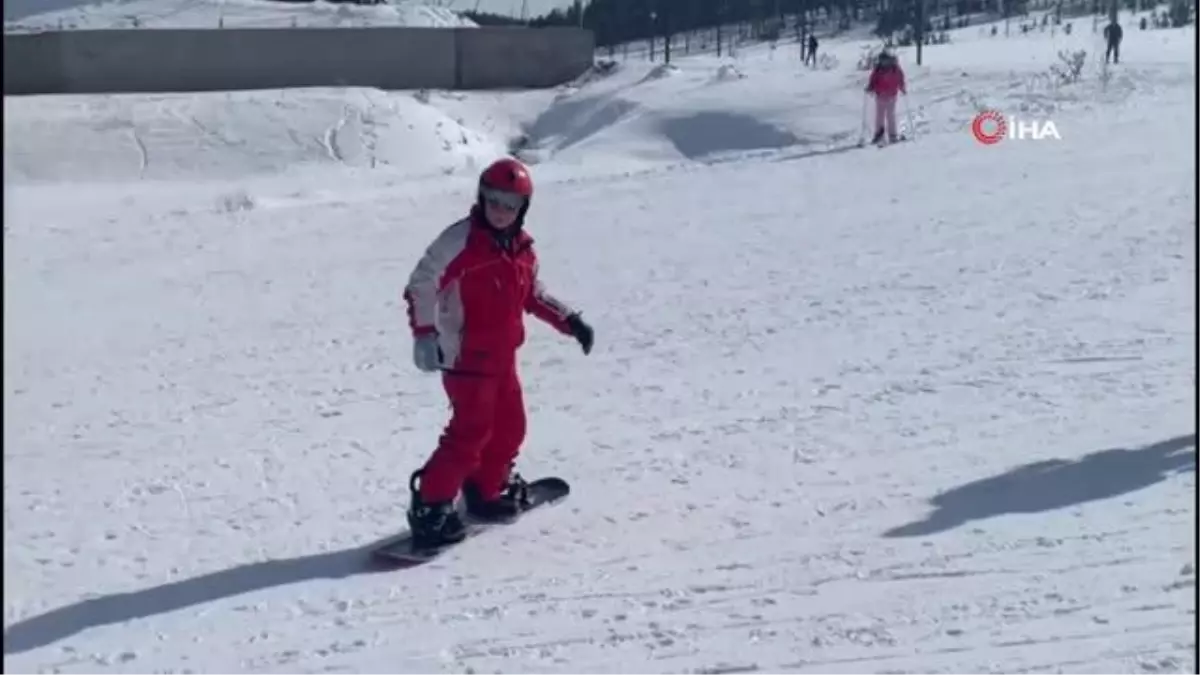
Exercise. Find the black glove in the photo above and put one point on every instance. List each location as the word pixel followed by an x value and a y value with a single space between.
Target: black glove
pixel 582 332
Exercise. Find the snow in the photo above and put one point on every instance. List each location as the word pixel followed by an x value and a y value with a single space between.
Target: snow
pixel 18 9
pixel 923 408
pixel 229 135
pixel 236 14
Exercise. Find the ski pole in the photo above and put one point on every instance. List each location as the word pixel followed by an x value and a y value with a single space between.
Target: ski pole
pixel 862 130
pixel 912 130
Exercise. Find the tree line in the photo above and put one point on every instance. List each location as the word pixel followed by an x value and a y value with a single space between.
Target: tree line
pixel 620 21
pixel 616 22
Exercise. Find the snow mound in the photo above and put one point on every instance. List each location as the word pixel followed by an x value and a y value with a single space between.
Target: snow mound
pixel 571 121
pixel 670 114
pixel 228 135
pixel 660 72
pixel 598 72
pixel 238 14
pixel 727 73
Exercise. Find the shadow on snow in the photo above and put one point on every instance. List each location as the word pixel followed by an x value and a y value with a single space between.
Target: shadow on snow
pixel 1037 487
pixel 1055 484
pixel 63 622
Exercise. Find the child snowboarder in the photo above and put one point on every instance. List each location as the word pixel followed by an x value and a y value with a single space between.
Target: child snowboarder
pixel 466 302
pixel 886 82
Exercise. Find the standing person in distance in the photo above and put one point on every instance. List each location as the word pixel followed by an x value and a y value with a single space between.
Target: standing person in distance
pixel 886 83
pixel 1112 42
pixel 466 302
pixel 811 54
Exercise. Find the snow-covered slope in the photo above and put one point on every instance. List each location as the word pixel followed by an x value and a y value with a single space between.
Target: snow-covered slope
pixel 712 109
pixel 237 134
pixel 923 408
pixel 238 14
pixel 14 10
pixel 639 116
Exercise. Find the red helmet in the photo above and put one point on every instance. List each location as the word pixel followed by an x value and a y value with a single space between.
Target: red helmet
pixel 507 175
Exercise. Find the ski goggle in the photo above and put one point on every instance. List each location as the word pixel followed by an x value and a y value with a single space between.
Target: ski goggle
pixel 501 198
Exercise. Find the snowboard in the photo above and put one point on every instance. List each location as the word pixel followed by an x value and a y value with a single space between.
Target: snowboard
pixel 399 551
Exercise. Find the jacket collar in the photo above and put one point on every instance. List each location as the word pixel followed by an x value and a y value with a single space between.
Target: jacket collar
pixel 513 239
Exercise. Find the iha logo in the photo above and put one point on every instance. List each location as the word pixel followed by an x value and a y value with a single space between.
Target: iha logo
pixel 990 127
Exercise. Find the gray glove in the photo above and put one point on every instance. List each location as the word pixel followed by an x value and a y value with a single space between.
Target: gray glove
pixel 426 354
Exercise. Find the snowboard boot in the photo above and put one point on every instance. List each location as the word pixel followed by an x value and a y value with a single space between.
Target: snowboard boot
pixel 434 524
pixel 878 137
pixel 503 509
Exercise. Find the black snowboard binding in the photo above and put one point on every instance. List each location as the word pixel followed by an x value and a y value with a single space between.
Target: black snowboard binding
pixel 505 508
pixel 403 551
pixel 433 525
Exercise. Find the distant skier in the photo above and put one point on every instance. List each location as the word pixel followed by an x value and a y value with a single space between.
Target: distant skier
pixel 811 54
pixel 1112 38
pixel 886 83
pixel 466 302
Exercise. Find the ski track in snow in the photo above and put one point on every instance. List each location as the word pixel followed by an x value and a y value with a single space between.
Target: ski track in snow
pixel 928 408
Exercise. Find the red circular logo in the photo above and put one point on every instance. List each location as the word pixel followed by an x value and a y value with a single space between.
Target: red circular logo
pixel 989 127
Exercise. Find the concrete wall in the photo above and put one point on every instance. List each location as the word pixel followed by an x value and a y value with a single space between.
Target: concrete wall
pixel 162 60
pixel 494 58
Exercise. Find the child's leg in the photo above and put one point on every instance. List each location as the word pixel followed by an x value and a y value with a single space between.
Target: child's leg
pixel 473 405
pixel 880 114
pixel 891 118
pixel 508 433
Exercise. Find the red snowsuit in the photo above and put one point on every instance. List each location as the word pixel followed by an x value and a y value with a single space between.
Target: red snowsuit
pixel 886 82
pixel 473 292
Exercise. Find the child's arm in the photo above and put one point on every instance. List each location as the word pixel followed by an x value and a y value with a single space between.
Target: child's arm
pixel 421 293
pixel 546 307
